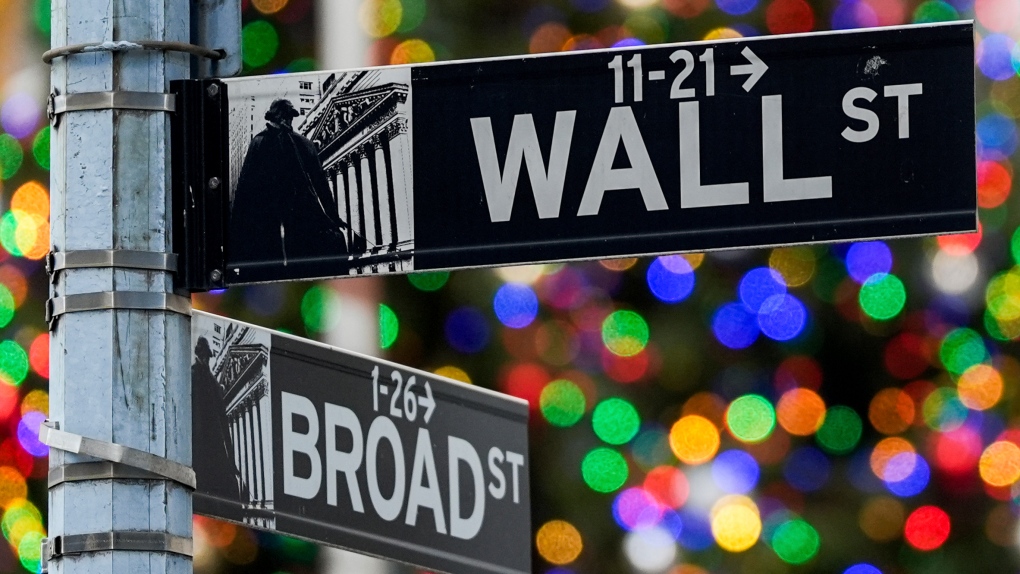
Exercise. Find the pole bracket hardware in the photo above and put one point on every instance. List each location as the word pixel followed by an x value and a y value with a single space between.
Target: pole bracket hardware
pixel 53 437
pixel 122 540
pixel 121 100
pixel 109 300
pixel 99 470
pixel 57 261
pixel 131 45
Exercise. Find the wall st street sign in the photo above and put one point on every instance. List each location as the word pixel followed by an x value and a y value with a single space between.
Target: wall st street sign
pixel 303 439
pixel 736 143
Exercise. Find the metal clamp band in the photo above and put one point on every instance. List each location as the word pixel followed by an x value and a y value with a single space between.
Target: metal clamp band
pixel 126 46
pixel 123 540
pixel 120 258
pixel 53 437
pixel 105 300
pixel 148 101
pixel 101 470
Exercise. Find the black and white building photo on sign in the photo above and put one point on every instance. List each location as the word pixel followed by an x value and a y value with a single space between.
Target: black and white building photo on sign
pixel 321 174
pixel 233 425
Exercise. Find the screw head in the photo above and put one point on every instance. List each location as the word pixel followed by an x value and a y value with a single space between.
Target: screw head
pixel 216 275
pixel 213 90
pixel 214 182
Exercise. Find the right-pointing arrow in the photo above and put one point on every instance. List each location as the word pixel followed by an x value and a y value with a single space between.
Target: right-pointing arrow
pixel 756 69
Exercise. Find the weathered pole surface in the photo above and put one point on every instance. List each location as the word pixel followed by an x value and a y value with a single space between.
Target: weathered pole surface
pixel 120 376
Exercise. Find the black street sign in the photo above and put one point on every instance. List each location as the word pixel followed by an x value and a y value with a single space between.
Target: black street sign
pixel 735 143
pixel 296 437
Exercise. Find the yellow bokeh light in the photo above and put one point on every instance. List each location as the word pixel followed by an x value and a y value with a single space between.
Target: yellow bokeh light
pixel 619 264
pixel 32 235
pixel 887 449
pixel 269 6
pixel 22 526
pixel 32 198
pixel 12 486
pixel 800 411
pixel 980 387
pixel 694 439
pixel 412 51
pixel 637 3
pixel 694 259
pixel 381 18
pixel 723 34
pixel 558 542
pixel 527 274
pixel 454 373
pixel 736 523
pixel 1000 463
pixel 36 401
pixel 795 264
pixel 891 411
pixel 881 519
pixel 549 37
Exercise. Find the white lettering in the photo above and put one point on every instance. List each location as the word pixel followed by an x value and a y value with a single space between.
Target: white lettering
pixel 621 126
pixel 293 442
pixel 461 450
pixel 902 93
pixel 420 495
pixel 383 428
pixel 776 187
pixel 516 460
pixel 863 114
pixel 497 492
pixel 340 461
pixel 547 187
pixel 692 193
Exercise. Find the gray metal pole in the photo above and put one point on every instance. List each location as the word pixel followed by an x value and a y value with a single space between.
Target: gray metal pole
pixel 120 376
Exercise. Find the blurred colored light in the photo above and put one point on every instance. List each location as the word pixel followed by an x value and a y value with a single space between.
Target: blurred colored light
pixel 429 281
pixel 320 309
pixel 467 330
pixel 697 530
pixel 868 258
pixel 650 549
pixel 961 349
pixel 997 133
pixel 694 439
pixel 891 411
pixel 758 285
pixel 30 550
pixel 807 469
pixel 12 486
pixel 906 356
pixel 736 7
pixel 41 148
pixel 36 401
pixel 625 333
pixel 646 27
pixel 1000 463
pixel 269 6
pixel 912 482
pixel 526 381
pixel 734 326
pixel 604 469
pixel 796 265
pixel 736 523
pixel 841 430
pixel 380 18
pixel 798 371
pixel 685 8
pixel 259 43
pixel 650 448
pixel 670 278
pixel 11 156
pixel 927 528
pixel 615 421
pixel 942 410
pixel 795 541
pixel 389 326
pixel 722 33
pixel 782 317
pixel 735 472
pixel 562 403
pixel 548 37
pixel 789 17
pixel 751 418
pixel 996 16
pixel 881 519
pixel 980 387
pixel 13 363
pixel 516 305
pixel 994 183
pixel 862 568
pixel 454 373
pixel 954 274
pixel 20 115
pixel 413 51
pixel 994 58
pixel 558 542
pixel 961 243
pixel 413 15
pixel 885 451
pixel 958 451
pixel 882 296
pixel 800 411
pixel 6 306
pixel 668 485
pixel 28 434
pixel 935 11
pixel 634 508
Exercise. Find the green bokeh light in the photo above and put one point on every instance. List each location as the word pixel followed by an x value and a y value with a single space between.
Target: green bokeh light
pixel 604 469
pixel 413 15
pixel 11 156
pixel 259 43
pixel 935 11
pixel 9 233
pixel 943 411
pixel 625 333
pixel 796 541
pixel 961 349
pixel 389 327
pixel 882 296
pixel 1014 246
pixel 30 550
pixel 319 308
pixel 13 363
pixel 431 281
pixel 41 15
pixel 6 306
pixel 751 418
pixel 562 403
pixel 841 430
pixel 615 421
pixel 303 65
pixel 41 148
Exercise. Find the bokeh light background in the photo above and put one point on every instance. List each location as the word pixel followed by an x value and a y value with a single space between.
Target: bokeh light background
pixel 850 408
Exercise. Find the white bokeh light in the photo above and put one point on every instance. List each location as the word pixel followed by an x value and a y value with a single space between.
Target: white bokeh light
pixel 954 274
pixel 650 550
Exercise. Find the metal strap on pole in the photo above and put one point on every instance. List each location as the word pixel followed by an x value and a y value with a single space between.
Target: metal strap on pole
pixel 118 258
pixel 118 540
pixel 107 300
pixel 99 470
pixel 129 45
pixel 53 437
pixel 120 100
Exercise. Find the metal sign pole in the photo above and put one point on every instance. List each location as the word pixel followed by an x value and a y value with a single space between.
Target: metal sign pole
pixel 120 403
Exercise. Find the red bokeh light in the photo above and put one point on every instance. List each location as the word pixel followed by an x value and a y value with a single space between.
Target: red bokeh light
pixel 927 528
pixel 906 356
pixel 668 485
pixel 525 381
pixel 789 17
pixel 961 244
pixel 994 183
pixel 39 355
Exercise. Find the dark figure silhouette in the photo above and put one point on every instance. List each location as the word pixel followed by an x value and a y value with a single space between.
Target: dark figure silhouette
pixel 283 208
pixel 215 472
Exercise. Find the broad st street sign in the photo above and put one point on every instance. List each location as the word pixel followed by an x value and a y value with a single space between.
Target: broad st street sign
pixel 734 143
pixel 303 439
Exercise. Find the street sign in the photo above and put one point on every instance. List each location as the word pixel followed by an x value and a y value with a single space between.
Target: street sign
pixel 732 143
pixel 296 437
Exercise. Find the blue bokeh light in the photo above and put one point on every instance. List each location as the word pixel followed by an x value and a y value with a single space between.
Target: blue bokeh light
pixel 807 469
pixel 634 508
pixel 735 472
pixel 670 278
pixel 758 285
pixel 516 305
pixel 734 326
pixel 736 7
pixel 997 133
pixel 28 434
pixel 467 330
pixel 867 258
pixel 916 481
pixel 996 57
pixel 853 14
pixel 782 317
pixel 862 568
pixel 697 531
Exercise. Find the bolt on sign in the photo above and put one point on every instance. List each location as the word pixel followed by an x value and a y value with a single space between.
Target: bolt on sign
pixel 734 143
pixel 299 438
